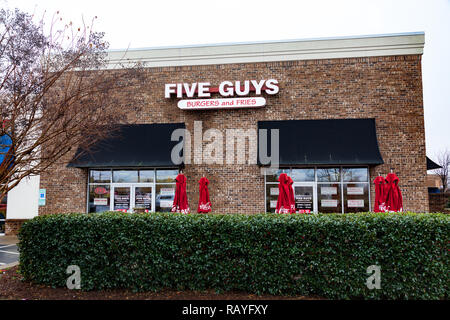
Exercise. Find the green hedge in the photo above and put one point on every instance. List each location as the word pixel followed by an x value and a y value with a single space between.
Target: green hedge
pixel 325 255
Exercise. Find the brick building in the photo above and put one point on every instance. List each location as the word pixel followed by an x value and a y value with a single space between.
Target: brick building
pixel 346 110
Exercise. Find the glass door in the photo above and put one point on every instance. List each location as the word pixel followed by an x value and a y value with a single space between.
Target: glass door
pixel 133 197
pixel 121 198
pixel 143 198
pixel 305 197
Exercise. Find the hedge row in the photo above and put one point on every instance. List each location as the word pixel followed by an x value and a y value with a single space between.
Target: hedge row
pixel 326 255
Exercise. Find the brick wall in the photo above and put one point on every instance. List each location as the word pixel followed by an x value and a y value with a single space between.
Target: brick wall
pixel 388 89
pixel 66 189
pixel 12 226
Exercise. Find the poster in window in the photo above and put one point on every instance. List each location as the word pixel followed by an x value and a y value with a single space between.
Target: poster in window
pixel 143 200
pixel 100 190
pixel 332 203
pixel 355 190
pixel 274 191
pixel 100 201
pixel 121 201
pixel 166 203
pixel 328 190
pixel 273 203
pixel 355 203
pixel 167 191
pixel 303 202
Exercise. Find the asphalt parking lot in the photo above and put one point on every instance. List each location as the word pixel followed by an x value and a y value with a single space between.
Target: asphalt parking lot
pixel 8 254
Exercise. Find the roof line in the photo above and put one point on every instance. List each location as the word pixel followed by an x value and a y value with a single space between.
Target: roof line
pixel 381 35
pixel 411 43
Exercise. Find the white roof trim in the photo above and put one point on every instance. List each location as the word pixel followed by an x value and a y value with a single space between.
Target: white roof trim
pixel 288 50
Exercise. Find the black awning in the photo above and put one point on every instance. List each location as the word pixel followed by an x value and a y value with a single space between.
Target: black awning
pixel 333 141
pixel 137 145
pixel 431 165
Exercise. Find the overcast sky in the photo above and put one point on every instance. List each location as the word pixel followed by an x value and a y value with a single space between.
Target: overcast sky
pixel 155 23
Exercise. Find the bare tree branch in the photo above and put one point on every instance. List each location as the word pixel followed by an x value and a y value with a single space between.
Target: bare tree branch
pixel 443 159
pixel 55 94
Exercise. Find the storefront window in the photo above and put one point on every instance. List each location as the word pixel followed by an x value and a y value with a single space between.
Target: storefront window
pixel 124 176
pixel 328 175
pixel 356 197
pixel 272 175
pixel 303 174
pixel 99 197
pixel 146 175
pixel 326 190
pixel 355 174
pixel 100 176
pixel 329 197
pixel 143 190
pixel 165 194
pixel 166 176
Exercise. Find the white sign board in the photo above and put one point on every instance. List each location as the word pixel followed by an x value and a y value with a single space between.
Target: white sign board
pixel 166 203
pixel 166 191
pixel 230 103
pixel 355 190
pixel 100 201
pixel 329 203
pixel 274 191
pixel 355 203
pixel 273 203
pixel 328 190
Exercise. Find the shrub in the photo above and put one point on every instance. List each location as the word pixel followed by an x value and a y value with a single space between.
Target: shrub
pixel 326 254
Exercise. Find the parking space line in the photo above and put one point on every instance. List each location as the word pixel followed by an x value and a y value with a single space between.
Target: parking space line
pixel 10 252
pixel 6 246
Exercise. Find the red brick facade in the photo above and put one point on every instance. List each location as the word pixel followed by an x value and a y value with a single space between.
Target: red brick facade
pixel 388 89
pixel 12 226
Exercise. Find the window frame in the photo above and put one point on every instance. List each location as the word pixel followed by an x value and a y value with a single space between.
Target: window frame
pixel 111 184
pixel 316 183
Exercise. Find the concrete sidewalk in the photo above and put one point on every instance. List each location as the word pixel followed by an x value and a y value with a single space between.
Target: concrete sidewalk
pixel 8 240
pixel 9 256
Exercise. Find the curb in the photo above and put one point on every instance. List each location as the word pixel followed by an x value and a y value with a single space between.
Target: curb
pixel 10 265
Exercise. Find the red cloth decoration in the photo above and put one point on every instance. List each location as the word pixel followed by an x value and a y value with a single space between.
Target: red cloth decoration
pixel 180 202
pixel 283 202
pixel 204 205
pixel 392 195
pixel 379 194
pixel 291 194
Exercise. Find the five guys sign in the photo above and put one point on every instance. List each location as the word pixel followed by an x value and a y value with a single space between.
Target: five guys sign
pixel 225 89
